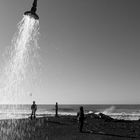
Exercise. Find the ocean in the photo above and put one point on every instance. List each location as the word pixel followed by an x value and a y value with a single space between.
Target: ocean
pixel 126 112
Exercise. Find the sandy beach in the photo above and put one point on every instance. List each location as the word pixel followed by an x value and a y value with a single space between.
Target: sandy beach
pixel 65 128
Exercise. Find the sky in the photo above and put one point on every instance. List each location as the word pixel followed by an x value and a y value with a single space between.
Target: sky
pixel 89 50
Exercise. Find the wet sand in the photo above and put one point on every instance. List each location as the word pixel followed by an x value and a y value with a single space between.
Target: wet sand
pixel 65 128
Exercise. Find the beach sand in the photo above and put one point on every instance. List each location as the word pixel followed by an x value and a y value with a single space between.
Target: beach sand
pixel 66 128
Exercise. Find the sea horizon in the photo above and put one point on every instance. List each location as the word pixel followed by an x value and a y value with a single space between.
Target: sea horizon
pixel 116 111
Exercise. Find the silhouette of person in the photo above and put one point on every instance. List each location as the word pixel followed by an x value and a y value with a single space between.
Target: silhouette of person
pixel 33 108
pixel 81 117
pixel 56 109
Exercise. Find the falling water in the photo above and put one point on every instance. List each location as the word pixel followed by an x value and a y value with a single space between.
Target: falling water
pixel 19 69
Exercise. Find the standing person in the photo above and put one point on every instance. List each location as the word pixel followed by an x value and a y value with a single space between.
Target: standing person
pixel 80 117
pixel 56 109
pixel 33 108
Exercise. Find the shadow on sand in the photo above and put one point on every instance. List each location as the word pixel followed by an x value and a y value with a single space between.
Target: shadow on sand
pixel 107 134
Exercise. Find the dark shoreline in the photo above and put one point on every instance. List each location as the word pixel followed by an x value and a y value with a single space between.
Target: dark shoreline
pixel 65 127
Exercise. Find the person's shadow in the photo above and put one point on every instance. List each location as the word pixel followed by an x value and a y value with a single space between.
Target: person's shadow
pixel 107 134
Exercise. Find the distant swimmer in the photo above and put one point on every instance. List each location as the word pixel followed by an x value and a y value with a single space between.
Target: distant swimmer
pixel 33 108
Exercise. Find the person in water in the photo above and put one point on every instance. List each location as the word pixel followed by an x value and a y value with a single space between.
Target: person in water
pixel 81 117
pixel 33 108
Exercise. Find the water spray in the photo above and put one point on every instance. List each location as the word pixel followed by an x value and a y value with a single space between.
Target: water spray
pixel 20 69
